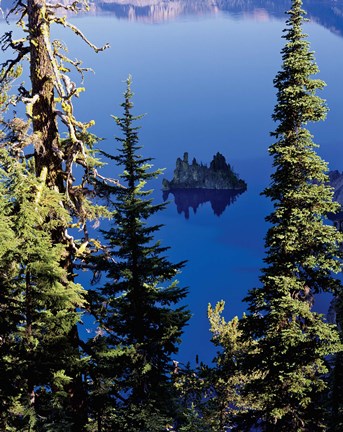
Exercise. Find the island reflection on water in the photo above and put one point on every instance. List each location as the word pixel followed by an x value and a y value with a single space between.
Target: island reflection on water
pixel 186 199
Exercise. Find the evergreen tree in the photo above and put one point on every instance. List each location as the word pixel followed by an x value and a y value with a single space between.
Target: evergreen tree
pixel 285 366
pixel 41 201
pixel 141 319
pixel 211 396
pixel 37 308
pixel 226 378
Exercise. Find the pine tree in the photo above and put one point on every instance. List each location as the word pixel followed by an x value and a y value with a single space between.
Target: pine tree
pixel 226 378
pixel 37 307
pixel 210 396
pixel 141 320
pixel 285 366
pixel 41 201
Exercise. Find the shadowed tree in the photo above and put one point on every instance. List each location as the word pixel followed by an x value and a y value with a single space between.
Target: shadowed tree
pixel 141 319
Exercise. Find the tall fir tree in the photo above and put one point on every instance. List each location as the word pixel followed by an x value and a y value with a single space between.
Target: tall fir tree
pixel 284 367
pixel 41 202
pixel 141 320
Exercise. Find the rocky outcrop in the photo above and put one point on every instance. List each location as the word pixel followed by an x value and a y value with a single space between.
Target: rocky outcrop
pixel 219 175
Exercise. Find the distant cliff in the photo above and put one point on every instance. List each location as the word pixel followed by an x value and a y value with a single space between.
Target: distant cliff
pixel 219 175
pixel 328 13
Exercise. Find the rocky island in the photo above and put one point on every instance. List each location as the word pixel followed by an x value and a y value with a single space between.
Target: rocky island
pixel 218 176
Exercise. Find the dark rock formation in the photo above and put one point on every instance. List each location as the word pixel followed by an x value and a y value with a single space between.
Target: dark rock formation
pixel 218 175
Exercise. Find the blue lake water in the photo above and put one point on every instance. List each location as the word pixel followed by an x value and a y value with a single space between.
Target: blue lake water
pixel 203 72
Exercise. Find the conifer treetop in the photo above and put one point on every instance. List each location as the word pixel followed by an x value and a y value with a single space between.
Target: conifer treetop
pixel 282 368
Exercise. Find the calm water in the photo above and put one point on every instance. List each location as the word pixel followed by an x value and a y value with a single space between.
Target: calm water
pixel 203 73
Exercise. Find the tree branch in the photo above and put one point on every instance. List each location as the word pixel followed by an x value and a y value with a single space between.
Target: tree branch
pixel 6 42
pixel 78 32
pixel 106 179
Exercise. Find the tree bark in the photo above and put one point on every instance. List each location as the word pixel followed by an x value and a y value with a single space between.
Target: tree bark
pixel 45 127
pixel 42 80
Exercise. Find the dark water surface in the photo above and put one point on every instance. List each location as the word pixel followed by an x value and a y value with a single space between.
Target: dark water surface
pixel 203 72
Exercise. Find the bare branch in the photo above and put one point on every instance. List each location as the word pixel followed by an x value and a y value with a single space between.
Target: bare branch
pixel 106 179
pixel 70 240
pixel 57 74
pixel 6 42
pixel 78 32
pixel 16 8
pixel 75 63
pixel 76 6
